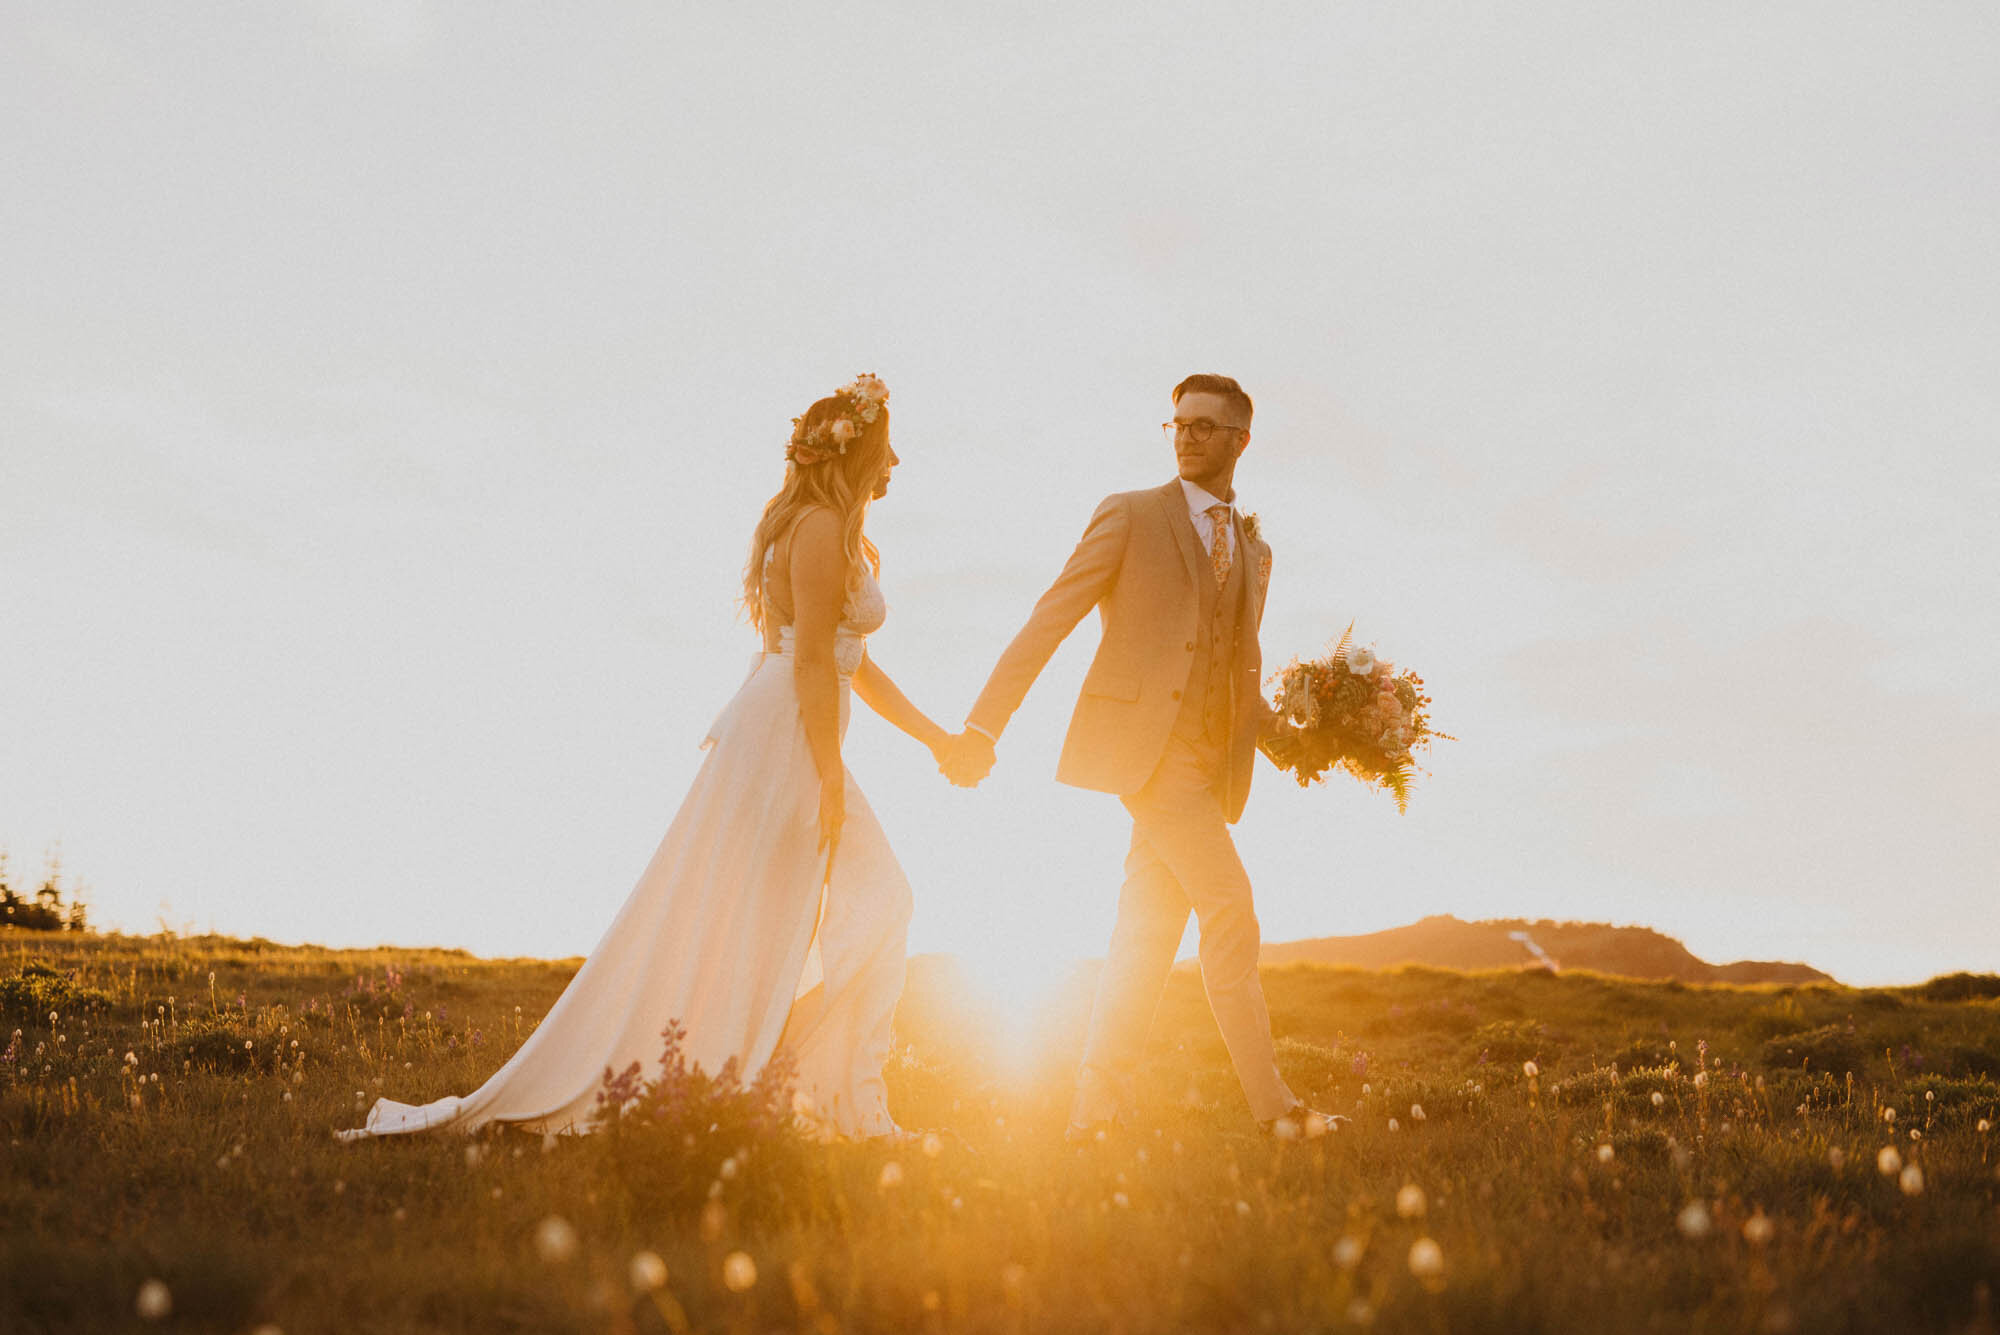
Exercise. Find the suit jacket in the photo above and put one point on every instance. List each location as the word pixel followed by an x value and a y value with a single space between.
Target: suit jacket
pixel 1137 564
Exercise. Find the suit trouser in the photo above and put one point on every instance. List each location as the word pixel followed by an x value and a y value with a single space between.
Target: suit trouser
pixel 1181 858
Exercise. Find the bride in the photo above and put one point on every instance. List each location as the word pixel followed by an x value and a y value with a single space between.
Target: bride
pixel 773 912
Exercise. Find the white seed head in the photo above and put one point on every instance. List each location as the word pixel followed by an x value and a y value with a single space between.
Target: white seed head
pixel 1889 1162
pixel 1411 1201
pixel 1426 1259
pixel 154 1301
pixel 1530 1070
pixel 1347 1252
pixel 1758 1228
pixel 1911 1180
pixel 1605 1154
pixel 890 1177
pixel 647 1272
pixel 739 1272
pixel 555 1240
pixel 1693 1220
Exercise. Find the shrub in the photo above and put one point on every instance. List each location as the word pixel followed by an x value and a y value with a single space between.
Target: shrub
pixel 41 988
pixel 1831 1047
pixel 1960 987
pixel 1508 1041
pixel 222 1042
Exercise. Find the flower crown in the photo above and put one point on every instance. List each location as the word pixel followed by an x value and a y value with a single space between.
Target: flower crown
pixel 864 396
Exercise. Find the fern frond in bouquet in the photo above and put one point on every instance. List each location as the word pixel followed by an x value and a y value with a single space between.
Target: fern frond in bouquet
pixel 1352 711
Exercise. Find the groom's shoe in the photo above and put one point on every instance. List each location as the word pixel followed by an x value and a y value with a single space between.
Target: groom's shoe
pixel 1303 1123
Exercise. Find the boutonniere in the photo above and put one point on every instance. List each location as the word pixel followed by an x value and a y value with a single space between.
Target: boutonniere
pixel 1252 529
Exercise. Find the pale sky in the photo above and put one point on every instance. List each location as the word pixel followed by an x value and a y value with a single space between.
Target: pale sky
pixel 387 392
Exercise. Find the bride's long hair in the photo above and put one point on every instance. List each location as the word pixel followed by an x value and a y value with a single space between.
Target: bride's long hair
pixel 843 483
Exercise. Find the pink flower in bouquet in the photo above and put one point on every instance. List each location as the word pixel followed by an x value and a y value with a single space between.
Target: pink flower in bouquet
pixel 1388 705
pixel 1384 669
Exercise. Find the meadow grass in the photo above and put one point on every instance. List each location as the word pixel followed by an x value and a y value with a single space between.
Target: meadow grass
pixel 1526 1153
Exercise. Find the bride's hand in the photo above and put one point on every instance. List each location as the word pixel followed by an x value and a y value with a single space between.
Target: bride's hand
pixel 832 814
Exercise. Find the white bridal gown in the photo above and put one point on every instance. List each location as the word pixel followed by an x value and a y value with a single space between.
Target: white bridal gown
pixel 727 934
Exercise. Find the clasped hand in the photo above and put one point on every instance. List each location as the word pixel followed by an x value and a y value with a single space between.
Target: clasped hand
pixel 965 758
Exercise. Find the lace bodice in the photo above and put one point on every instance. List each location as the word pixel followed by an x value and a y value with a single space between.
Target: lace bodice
pixel 860 616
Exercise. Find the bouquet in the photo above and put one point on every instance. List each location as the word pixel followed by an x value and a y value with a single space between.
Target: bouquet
pixel 1353 711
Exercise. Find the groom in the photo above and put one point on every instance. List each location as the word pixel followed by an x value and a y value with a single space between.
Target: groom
pixel 1169 720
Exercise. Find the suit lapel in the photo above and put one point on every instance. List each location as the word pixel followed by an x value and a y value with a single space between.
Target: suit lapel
pixel 1174 501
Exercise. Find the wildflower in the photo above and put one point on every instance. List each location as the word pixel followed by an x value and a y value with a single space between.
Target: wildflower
pixel 1659 1099
pixel 1395 1125
pixel 1758 1228
pixel 1916 1134
pixel 1605 1154
pixel 1410 1201
pixel 1889 1162
pixel 1315 1126
pixel 1530 1070
pixel 647 1272
pixel 1985 1125
pixel 1889 1116
pixel 1911 1180
pixel 1693 1220
pixel 1416 1112
pixel 555 1240
pixel 1701 1079
pixel 727 1171
pixel 1426 1259
pixel 155 1302
pixel 131 1059
pixel 1347 1252
pixel 739 1272
pixel 891 1176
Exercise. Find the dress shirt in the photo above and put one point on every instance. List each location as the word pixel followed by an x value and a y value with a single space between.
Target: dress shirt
pixel 1199 503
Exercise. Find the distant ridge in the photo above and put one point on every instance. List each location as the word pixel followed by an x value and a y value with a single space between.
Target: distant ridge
pixel 1445 942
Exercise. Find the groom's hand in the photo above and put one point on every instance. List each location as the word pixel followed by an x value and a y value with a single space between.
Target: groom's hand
pixel 967 758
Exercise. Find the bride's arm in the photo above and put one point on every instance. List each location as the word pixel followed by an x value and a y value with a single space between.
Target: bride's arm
pixel 818 571
pixel 883 696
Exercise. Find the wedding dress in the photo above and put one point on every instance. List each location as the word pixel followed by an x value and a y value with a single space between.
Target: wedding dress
pixel 728 933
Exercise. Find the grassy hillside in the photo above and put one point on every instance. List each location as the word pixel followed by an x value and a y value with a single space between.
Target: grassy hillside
pixel 1527 1152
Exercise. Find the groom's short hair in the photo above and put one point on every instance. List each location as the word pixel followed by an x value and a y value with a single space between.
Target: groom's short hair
pixel 1223 385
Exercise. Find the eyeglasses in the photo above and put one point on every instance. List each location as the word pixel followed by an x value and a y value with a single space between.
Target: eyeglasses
pixel 1201 430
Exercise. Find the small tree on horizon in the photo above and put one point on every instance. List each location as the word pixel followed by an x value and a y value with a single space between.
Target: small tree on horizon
pixel 46 911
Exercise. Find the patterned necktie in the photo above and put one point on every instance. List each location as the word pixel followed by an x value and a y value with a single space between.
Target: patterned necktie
pixel 1218 542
